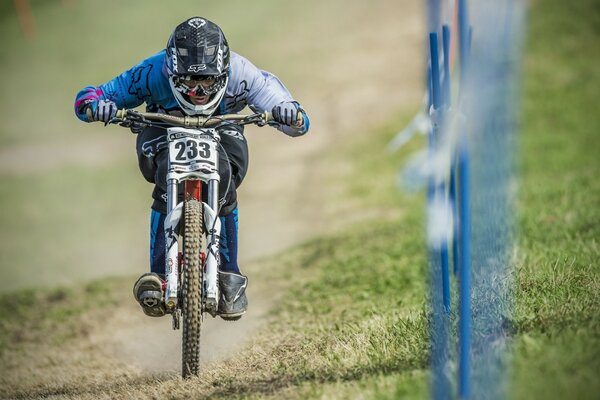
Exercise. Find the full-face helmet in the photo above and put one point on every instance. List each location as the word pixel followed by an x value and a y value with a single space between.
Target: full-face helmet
pixel 198 65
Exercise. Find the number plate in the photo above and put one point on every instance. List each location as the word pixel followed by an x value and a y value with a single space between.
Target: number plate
pixel 190 152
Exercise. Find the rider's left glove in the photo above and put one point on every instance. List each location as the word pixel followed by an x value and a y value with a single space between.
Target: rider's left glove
pixel 105 111
pixel 288 113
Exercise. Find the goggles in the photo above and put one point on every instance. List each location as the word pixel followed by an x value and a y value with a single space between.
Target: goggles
pixel 199 85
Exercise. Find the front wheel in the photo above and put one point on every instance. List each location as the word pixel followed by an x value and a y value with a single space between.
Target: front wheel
pixel 191 285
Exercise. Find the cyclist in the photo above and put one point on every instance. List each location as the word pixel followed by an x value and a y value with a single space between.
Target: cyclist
pixel 196 74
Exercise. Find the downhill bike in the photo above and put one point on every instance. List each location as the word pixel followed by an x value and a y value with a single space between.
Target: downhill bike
pixel 192 264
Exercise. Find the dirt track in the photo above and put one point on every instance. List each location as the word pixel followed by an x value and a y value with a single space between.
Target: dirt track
pixel 366 71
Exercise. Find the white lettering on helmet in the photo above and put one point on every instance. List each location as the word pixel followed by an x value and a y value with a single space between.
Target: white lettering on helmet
pixel 220 60
pixel 196 22
pixel 174 58
pixel 197 68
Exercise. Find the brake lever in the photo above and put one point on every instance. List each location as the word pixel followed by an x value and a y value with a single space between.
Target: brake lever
pixel 135 116
pixel 253 119
pixel 258 119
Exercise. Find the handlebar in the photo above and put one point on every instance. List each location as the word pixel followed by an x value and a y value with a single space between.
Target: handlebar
pixel 126 115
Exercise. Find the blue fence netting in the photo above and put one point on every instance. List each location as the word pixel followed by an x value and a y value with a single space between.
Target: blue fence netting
pixel 469 172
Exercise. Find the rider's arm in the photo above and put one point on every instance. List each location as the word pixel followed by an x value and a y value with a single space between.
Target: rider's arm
pixel 266 91
pixel 128 90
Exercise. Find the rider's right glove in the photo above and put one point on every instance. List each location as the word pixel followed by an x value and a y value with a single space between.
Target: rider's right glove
pixel 105 111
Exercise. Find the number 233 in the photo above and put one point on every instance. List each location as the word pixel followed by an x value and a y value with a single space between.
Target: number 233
pixel 194 149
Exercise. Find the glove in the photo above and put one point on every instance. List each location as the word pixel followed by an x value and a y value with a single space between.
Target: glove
pixel 286 113
pixel 105 111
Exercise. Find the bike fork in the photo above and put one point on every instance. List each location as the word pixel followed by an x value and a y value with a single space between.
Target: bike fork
pixel 174 212
pixel 213 226
pixel 213 231
pixel 173 259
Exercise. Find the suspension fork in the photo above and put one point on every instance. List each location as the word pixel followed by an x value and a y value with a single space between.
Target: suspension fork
pixel 213 226
pixel 172 260
pixel 192 190
pixel 210 287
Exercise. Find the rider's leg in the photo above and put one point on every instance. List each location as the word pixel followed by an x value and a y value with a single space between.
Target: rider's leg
pixel 157 243
pixel 148 290
pixel 233 302
pixel 229 242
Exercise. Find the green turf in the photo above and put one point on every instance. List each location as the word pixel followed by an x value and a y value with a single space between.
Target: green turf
pixel 557 349
pixel 53 316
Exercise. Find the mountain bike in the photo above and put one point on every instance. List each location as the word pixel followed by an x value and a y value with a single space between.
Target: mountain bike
pixel 192 227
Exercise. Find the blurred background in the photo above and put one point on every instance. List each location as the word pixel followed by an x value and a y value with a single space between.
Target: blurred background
pixel 74 206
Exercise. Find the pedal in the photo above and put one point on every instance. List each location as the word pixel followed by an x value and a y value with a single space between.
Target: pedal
pixel 151 298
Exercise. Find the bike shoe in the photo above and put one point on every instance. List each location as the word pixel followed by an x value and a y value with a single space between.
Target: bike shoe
pixel 233 302
pixel 148 291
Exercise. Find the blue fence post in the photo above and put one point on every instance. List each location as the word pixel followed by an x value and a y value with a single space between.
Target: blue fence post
pixel 447 81
pixel 445 274
pixel 435 70
pixel 439 191
pixel 440 287
pixel 452 189
pixel 464 272
pixel 446 104
pixel 464 368
pixel 453 203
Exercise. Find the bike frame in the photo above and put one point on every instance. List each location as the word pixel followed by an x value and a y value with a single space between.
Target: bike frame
pixel 202 170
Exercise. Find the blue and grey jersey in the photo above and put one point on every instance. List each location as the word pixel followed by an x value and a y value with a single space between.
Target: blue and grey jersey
pixel 147 82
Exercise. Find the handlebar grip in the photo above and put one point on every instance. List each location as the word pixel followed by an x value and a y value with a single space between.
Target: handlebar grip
pixel 121 113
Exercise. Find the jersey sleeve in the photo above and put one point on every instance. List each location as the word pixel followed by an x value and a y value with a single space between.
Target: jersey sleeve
pixel 265 92
pixel 128 90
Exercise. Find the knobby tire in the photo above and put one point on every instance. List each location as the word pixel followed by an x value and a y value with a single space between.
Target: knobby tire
pixel 191 287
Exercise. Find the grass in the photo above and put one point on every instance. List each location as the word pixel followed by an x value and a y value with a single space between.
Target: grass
pixel 31 316
pixel 557 346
